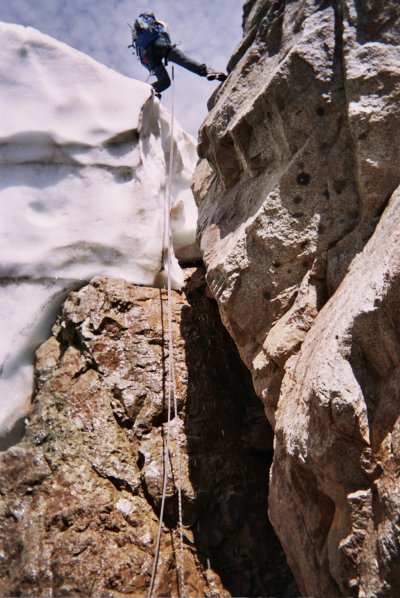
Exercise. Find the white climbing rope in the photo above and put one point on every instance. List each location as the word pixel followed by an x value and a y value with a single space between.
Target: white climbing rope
pixel 171 381
pixel 172 391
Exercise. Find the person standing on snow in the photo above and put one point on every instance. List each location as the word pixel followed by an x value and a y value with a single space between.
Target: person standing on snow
pixel 154 49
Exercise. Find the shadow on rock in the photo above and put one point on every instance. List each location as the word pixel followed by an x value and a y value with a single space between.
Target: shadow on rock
pixel 229 443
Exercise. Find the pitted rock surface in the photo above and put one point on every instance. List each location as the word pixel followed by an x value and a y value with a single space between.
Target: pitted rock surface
pixel 81 493
pixel 300 156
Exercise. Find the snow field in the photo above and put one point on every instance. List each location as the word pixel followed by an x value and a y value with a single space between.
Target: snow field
pixel 84 155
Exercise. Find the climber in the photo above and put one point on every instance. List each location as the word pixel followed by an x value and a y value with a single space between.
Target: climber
pixel 153 46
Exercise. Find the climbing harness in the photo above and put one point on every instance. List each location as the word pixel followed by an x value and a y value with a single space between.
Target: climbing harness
pixel 171 381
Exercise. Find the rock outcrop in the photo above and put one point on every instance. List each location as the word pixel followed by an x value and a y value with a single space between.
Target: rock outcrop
pixel 81 493
pixel 298 189
pixel 337 453
pixel 300 162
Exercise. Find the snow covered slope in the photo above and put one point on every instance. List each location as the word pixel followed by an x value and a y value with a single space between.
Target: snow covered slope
pixel 84 154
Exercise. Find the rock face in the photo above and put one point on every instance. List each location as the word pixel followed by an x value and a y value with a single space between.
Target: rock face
pixel 298 190
pixel 300 157
pixel 81 493
pixel 337 450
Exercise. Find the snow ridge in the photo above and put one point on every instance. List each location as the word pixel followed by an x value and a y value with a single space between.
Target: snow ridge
pixel 83 170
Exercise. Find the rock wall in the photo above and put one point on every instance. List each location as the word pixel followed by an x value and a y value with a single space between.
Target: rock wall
pixel 299 168
pixel 298 190
pixel 337 451
pixel 81 493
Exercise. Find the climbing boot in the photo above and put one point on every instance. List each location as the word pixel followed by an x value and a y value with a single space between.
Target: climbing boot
pixel 156 94
pixel 215 76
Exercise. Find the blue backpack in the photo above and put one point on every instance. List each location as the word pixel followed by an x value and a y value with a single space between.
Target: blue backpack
pixel 145 32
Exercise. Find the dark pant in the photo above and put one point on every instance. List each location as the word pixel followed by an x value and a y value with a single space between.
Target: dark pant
pixel 161 49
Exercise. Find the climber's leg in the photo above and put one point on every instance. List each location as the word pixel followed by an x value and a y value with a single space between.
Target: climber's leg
pixel 180 58
pixel 161 49
pixel 163 79
pixel 156 54
pixel 175 55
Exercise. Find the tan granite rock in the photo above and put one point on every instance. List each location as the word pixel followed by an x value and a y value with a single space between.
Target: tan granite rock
pixel 334 494
pixel 300 155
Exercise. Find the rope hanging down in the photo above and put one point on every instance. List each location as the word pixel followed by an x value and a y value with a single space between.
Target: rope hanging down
pixel 172 394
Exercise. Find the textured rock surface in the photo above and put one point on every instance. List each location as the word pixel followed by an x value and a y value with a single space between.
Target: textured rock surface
pixel 81 493
pixel 300 156
pixel 337 452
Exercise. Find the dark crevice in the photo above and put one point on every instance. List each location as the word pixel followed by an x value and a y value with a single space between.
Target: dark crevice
pixel 171 514
pixel 379 211
pixel 340 62
pixel 14 435
pixel 229 447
